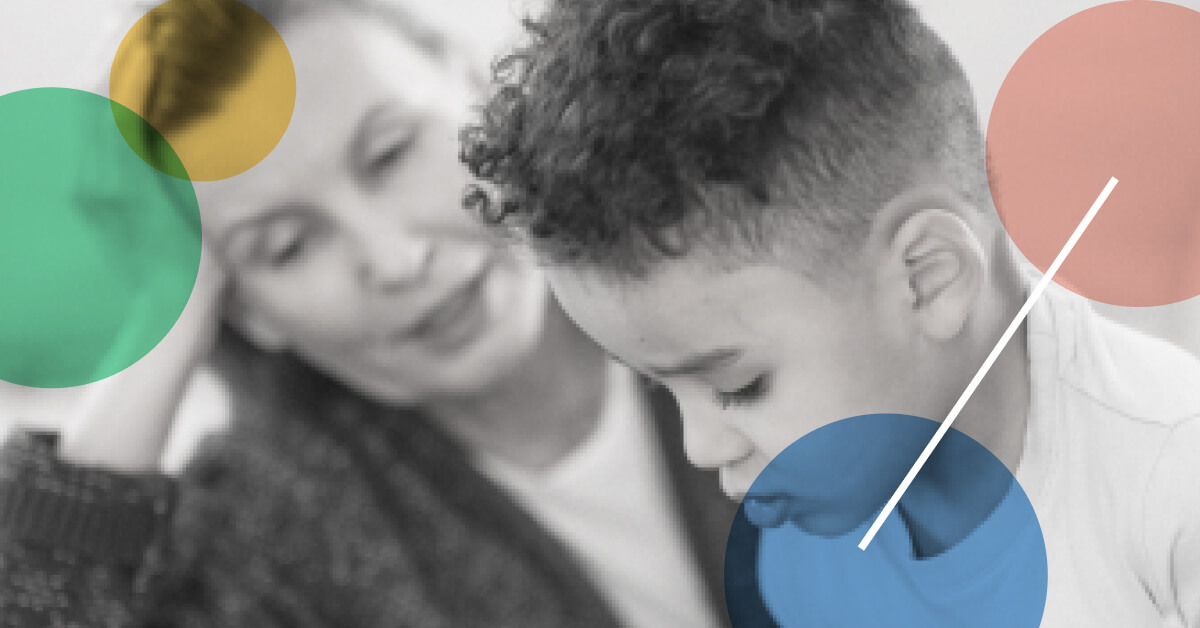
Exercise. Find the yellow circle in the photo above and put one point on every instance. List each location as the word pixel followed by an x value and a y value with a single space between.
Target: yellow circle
pixel 213 77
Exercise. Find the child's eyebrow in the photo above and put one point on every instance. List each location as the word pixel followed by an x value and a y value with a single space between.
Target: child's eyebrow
pixel 696 364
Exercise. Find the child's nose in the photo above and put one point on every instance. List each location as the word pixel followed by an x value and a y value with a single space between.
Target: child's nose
pixel 709 441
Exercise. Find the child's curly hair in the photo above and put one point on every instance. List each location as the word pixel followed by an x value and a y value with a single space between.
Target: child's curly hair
pixel 626 131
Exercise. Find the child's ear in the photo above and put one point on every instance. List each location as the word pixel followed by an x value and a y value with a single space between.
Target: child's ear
pixel 942 265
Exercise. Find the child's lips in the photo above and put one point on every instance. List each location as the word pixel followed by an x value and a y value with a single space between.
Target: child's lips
pixel 769 511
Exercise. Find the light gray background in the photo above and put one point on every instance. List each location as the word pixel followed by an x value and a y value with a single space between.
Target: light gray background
pixel 70 43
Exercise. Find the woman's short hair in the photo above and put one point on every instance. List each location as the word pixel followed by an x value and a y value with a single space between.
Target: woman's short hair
pixel 201 48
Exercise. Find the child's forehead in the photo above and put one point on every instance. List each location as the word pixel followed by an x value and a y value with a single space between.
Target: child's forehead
pixel 697 288
pixel 680 313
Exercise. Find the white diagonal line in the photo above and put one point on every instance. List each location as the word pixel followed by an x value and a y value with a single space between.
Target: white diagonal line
pixel 987 365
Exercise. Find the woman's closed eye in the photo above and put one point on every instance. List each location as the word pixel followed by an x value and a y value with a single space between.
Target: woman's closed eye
pixel 284 242
pixel 282 254
pixel 391 155
pixel 751 392
pixel 391 148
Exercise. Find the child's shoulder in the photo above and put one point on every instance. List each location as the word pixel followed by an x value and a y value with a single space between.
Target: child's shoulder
pixel 1112 407
pixel 1122 420
pixel 1128 374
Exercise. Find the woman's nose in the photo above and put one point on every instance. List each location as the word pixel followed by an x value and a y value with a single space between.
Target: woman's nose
pixel 393 261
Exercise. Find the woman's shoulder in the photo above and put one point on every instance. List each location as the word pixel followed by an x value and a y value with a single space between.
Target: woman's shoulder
pixel 382 509
pixel 278 509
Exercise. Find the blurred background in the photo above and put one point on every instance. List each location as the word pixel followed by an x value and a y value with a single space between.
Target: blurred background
pixel 69 43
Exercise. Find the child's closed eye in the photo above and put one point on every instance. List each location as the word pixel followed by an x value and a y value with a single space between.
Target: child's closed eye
pixel 751 392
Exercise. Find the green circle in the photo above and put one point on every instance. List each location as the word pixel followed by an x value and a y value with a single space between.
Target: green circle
pixel 98 249
pixel 147 142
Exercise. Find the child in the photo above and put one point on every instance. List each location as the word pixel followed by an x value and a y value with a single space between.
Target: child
pixel 780 210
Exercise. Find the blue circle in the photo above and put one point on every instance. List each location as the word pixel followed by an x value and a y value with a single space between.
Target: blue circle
pixel 962 548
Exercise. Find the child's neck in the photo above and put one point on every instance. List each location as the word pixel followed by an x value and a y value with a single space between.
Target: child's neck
pixel 998 413
pixel 953 500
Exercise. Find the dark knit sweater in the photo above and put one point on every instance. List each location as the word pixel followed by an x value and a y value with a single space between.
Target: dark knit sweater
pixel 345 516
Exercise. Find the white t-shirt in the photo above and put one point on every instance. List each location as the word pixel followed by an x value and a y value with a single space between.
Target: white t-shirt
pixel 981 582
pixel 1112 468
pixel 610 502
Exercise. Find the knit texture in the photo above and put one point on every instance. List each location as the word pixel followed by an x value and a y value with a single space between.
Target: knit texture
pixel 329 512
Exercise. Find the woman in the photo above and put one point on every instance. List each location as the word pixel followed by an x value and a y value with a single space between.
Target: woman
pixel 422 438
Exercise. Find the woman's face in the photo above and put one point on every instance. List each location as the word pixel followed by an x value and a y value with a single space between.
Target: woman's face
pixel 348 243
